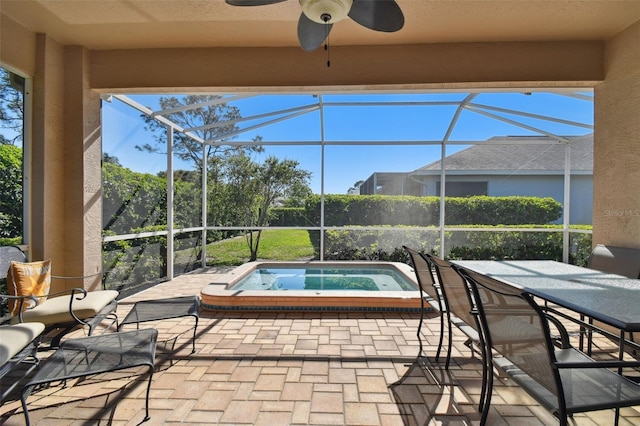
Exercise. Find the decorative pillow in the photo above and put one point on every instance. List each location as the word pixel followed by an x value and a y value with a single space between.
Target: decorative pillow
pixel 24 279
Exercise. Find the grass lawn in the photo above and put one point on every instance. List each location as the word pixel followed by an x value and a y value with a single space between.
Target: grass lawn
pixel 275 244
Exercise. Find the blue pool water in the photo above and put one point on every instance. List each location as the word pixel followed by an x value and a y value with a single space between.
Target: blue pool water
pixel 324 278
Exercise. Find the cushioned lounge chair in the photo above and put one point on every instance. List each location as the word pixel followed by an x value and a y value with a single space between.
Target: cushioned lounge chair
pixel 60 311
pixel 18 346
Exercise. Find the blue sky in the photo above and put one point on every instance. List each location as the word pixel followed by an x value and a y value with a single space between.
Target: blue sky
pixel 397 125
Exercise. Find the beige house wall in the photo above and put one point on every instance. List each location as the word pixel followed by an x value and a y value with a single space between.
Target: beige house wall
pixel 616 205
pixel 65 223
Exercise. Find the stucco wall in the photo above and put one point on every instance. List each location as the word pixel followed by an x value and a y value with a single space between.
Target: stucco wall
pixel 616 209
pixel 455 65
pixel 17 47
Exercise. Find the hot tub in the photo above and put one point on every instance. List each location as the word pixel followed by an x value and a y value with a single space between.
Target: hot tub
pixel 315 286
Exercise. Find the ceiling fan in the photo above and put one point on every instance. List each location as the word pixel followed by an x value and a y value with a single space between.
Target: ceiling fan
pixel 318 16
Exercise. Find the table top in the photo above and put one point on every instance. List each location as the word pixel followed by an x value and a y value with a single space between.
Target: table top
pixel 161 309
pixel 612 299
pixel 98 354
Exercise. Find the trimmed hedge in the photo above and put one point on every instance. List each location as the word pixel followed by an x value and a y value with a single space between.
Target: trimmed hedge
pixel 375 210
pixel 288 216
pixel 361 243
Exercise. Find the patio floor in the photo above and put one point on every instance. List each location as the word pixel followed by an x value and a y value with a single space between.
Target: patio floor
pixel 292 369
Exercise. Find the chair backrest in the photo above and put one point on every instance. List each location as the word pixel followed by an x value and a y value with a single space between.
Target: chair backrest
pixel 455 290
pixel 9 254
pixel 616 260
pixel 515 327
pixel 423 273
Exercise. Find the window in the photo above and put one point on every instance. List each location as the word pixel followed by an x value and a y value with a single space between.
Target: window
pixel 462 189
pixel 12 131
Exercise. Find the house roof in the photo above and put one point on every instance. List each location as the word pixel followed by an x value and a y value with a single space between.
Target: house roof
pixel 520 153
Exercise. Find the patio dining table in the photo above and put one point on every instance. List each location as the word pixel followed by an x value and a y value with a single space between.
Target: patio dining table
pixel 608 298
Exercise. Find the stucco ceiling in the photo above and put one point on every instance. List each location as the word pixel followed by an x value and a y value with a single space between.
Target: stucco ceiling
pixel 122 24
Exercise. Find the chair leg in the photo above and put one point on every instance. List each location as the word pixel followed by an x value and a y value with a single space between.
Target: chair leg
pixel 419 332
pixel 441 336
pixel 147 417
pixel 487 401
pixel 449 341
pixel 486 370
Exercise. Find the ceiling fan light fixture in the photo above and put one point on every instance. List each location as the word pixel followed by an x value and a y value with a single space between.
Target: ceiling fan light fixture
pixel 326 11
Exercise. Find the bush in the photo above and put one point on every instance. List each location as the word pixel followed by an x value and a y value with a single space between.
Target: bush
pixel 517 245
pixel 373 210
pixel 288 216
pixel 360 243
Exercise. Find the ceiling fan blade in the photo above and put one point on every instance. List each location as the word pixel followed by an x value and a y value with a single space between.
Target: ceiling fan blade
pixel 252 2
pixel 378 15
pixel 311 34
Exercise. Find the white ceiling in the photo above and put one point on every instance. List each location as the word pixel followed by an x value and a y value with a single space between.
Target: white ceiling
pixel 122 24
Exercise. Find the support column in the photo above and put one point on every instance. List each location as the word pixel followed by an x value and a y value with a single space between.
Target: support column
pixel 83 180
pixel 616 205
pixel 46 231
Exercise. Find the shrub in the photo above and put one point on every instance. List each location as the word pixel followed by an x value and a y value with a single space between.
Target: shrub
pixel 372 210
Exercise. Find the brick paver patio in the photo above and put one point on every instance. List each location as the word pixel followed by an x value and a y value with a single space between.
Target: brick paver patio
pixel 291 369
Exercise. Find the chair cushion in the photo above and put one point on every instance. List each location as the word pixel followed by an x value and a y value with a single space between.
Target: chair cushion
pixel 56 309
pixel 14 338
pixel 28 278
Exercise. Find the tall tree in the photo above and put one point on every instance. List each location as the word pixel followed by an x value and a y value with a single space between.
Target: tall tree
pixel 256 187
pixel 11 107
pixel 212 120
pixel 10 191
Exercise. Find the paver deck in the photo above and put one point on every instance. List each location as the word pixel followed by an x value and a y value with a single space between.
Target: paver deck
pixel 292 369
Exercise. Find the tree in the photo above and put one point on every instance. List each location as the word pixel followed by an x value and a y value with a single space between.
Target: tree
pixel 254 188
pixel 110 159
pixel 213 118
pixel 355 189
pixel 11 107
pixel 240 190
pixel 10 191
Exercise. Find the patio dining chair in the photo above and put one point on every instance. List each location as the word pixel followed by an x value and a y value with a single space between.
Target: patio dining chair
pixel 429 293
pixel 459 302
pixel 562 379
pixel 461 313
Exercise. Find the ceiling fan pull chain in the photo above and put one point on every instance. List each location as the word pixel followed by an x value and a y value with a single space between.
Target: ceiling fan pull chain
pixel 326 47
pixel 326 44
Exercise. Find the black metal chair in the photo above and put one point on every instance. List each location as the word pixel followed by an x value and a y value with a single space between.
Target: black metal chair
pixel 564 380
pixel 429 292
pixel 459 301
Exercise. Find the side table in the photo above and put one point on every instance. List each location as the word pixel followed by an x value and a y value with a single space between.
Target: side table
pixel 163 309
pixel 96 354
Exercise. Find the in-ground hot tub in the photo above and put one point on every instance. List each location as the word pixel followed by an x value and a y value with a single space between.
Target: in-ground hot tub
pixel 315 286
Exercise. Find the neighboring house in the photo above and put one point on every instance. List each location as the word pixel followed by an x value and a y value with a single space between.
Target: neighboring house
pixel 509 165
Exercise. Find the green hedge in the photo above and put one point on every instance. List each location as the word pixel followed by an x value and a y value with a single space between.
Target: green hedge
pixel 288 216
pixel 364 244
pixel 372 210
